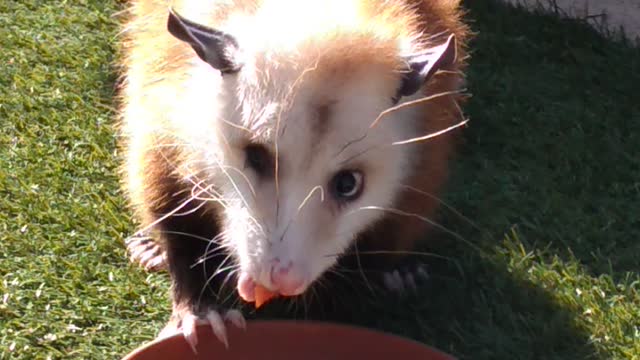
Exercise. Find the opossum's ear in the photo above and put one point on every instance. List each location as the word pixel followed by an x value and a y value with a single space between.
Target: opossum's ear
pixel 215 47
pixel 424 65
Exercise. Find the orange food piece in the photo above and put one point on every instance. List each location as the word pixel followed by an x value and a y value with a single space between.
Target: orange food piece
pixel 262 295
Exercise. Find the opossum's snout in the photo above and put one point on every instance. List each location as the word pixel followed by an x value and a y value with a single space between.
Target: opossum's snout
pixel 301 238
pixel 283 277
pixel 286 242
pixel 286 277
pixel 286 261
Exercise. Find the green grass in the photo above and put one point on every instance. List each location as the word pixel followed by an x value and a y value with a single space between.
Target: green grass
pixel 549 173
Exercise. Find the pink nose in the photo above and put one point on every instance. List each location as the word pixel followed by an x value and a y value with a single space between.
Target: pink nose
pixel 286 278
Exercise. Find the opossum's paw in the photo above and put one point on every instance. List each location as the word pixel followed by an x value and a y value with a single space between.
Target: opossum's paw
pixel 405 281
pixel 145 251
pixel 186 322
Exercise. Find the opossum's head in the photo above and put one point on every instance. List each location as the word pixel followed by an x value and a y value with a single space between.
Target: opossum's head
pixel 299 165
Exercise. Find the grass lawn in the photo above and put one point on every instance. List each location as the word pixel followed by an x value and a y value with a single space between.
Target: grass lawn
pixel 549 175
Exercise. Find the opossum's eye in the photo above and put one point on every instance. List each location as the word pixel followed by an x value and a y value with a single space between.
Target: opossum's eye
pixel 258 159
pixel 347 185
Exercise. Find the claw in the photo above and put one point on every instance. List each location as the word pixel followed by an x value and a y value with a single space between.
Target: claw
pixel 189 322
pixel 154 263
pixel 147 256
pixel 236 318
pixel 399 281
pixel 422 272
pixel 215 321
pixel 410 282
pixel 137 247
pixel 146 252
pixel 406 281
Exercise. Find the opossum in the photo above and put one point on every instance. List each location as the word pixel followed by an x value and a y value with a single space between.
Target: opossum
pixel 263 139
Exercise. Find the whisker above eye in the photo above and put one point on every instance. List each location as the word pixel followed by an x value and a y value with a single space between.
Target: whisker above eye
pixel 413 103
pixel 402 106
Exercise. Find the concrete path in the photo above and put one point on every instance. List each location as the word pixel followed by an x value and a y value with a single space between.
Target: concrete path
pixel 602 14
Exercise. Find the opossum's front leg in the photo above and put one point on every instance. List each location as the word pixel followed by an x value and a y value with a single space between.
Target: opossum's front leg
pixel 194 261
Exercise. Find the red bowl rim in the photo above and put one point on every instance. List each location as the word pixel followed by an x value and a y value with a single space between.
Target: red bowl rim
pixel 305 323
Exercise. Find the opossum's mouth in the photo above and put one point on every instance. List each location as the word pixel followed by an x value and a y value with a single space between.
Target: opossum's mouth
pixel 247 287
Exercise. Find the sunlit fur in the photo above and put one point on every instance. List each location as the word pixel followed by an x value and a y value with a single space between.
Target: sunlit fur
pixel 316 74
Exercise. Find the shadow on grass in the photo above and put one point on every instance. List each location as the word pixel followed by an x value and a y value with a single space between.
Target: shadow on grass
pixel 552 150
pixel 553 142
pixel 473 308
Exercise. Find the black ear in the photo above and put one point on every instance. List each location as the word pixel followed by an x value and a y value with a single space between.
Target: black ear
pixel 212 46
pixel 424 65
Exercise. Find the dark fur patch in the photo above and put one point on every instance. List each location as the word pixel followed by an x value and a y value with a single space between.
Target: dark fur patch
pixel 319 129
pixel 182 236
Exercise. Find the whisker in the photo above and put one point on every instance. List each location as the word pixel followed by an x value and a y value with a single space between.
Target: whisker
pixel 235 268
pixel 170 213
pixel 240 195
pixel 309 196
pixel 360 267
pixel 394 252
pixel 404 142
pixel 194 236
pixel 420 217
pixel 239 127
pixel 167 215
pixel 305 307
pixel 216 197
pixel 295 216
pixel 211 253
pixel 277 166
pixel 314 296
pixel 431 135
pixel 253 192
pixel 191 211
pixel 215 252
pixel 362 153
pixel 445 204
pixel 335 271
pixel 213 195
pixel 349 143
pixel 219 270
pixel 290 304
pixel 229 275
pixel 412 103
pixel 211 192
